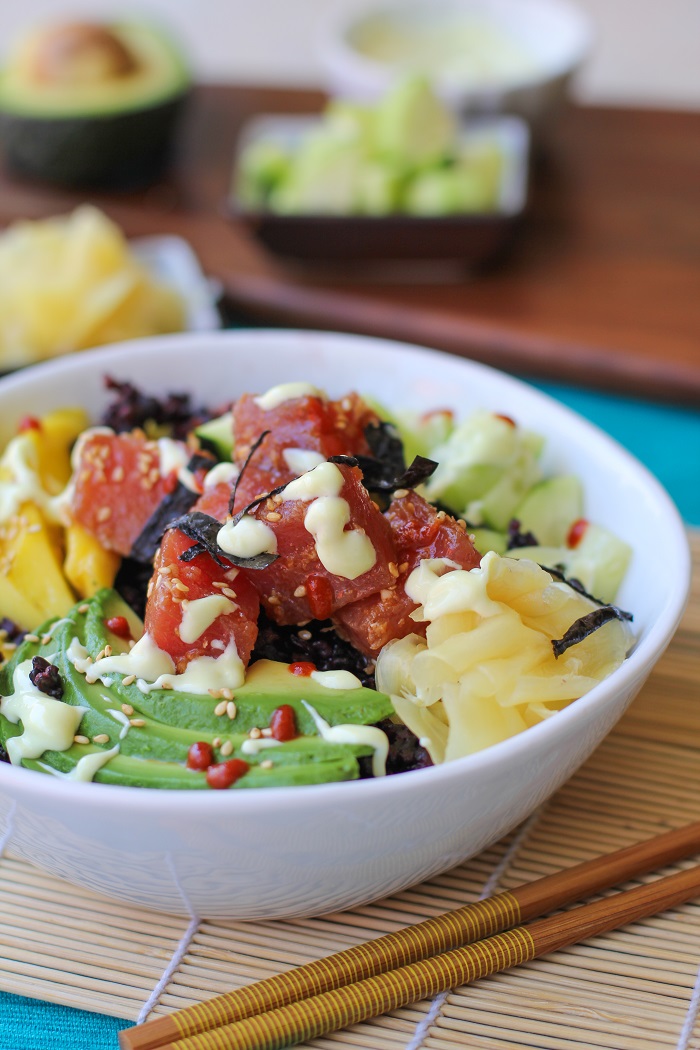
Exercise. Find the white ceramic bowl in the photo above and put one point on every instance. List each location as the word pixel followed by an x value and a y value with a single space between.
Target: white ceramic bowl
pixel 556 35
pixel 298 851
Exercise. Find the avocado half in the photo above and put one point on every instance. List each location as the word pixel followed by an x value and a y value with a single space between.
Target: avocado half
pixel 86 105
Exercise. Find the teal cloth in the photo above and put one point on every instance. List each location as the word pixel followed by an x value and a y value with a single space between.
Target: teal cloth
pixel 665 438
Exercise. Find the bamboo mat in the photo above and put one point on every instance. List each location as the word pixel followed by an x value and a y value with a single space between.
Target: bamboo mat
pixel 634 989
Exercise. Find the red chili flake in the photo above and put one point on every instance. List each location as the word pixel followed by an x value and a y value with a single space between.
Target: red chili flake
pixel 200 756
pixel 303 668
pixel 506 419
pixel 283 723
pixel 224 774
pixel 576 532
pixel 28 423
pixel 118 625
pixel 320 594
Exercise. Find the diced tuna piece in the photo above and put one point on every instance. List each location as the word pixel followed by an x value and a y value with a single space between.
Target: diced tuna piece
pixel 419 531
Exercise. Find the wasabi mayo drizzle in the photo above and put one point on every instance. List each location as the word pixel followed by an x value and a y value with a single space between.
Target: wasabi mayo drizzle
pixel 174 457
pixel 370 736
pixel 247 538
pixel 300 460
pixel 343 553
pixel 336 679
pixel 48 724
pixel 199 614
pixel 277 395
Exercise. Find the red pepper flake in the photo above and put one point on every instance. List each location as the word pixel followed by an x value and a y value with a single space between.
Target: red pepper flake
pixel 28 423
pixel 320 595
pixel 506 419
pixel 283 723
pixel 200 756
pixel 224 774
pixel 119 625
pixel 303 668
pixel 576 532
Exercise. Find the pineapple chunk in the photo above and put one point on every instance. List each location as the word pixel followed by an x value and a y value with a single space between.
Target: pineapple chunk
pixel 29 562
pixel 88 566
pixel 53 444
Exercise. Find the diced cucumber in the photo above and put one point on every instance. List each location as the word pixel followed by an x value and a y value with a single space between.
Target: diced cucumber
pixel 497 506
pixel 550 509
pixel 217 435
pixel 600 561
pixel 486 540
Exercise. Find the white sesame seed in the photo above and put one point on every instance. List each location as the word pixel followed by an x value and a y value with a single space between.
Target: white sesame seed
pixel 267 763
pixel 231 710
pixel 304 635
pixel 129 680
pixel 138 722
pixel 266 732
pixel 220 708
pixel 127 709
pixel 83 608
pixel 216 742
pixel 101 738
pixel 80 739
pixel 255 733
pixel 300 592
pixel 31 637
pixel 226 747
pixel 274 515
pixel 104 514
pixel 400 493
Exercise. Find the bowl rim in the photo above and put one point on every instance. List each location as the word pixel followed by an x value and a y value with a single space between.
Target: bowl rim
pixel 340 59
pixel 249 802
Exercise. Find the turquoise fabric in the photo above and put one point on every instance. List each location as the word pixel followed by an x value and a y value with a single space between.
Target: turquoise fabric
pixel 665 438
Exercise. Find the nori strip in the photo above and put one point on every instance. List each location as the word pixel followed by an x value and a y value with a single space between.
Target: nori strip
pixel 132 583
pixel 175 504
pixel 386 447
pixel 253 449
pixel 516 538
pixel 585 626
pixel 204 530
pixel 374 476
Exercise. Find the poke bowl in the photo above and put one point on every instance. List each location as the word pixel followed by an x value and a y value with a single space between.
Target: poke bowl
pixel 307 848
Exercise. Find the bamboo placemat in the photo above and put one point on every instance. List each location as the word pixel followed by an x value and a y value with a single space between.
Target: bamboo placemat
pixel 634 989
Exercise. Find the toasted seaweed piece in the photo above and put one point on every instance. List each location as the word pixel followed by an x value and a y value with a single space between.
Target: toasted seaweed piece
pixel 204 530
pixel 132 583
pixel 586 625
pixel 374 476
pixel 175 504
pixel 386 447
pixel 317 642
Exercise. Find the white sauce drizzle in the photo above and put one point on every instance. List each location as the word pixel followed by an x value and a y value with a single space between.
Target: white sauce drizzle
pixel 336 679
pixel 247 538
pixel 277 395
pixel 79 656
pixel 254 747
pixel 343 553
pixel 48 724
pixel 300 460
pixel 174 457
pixel 200 613
pixel 47 635
pixel 86 767
pixel 222 473
pixel 120 717
pixel 354 734
pixel 145 660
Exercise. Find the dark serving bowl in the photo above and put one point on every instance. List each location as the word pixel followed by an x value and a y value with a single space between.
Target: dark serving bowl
pixel 468 239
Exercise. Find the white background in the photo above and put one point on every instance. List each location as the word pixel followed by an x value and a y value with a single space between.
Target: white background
pixel 647 52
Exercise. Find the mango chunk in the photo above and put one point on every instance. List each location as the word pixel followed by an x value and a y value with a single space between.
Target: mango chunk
pixel 88 566
pixel 29 561
pixel 53 443
pixel 17 607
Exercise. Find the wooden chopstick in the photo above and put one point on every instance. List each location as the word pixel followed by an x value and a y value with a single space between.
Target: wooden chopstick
pixel 353 1003
pixel 414 943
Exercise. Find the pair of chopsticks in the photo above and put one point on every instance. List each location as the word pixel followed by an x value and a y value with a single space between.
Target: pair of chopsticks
pixel 430 957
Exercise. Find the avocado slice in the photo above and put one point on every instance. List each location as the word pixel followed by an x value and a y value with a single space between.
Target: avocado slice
pixel 153 754
pixel 92 105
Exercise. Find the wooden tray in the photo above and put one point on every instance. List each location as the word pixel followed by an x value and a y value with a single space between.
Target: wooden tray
pixel 636 988
pixel 600 287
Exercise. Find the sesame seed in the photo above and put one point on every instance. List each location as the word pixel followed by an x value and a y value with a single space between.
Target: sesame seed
pixel 149 589
pixel 266 732
pixel 227 592
pixel 83 608
pixel 127 709
pixel 227 694
pixel 99 655
pixel 278 498
pixel 226 747
pixel 400 493
pixel 216 742
pixel 403 566
pixel 267 764
pixel 300 592
pixel 165 570
pixel 304 635
pixel 31 637
pixel 231 710
pixel 440 516
pixel 108 650
pixel 393 569
pixel 274 515
pixel 104 514
pixel 138 722
pixel 180 586
pixel 220 708
pixel 273 600
pixel 80 739
pixel 385 594
pixel 255 733
pixel 167 685
pixel 118 474
pixel 101 738
pixel 45 639
pixel 129 680
pixel 219 584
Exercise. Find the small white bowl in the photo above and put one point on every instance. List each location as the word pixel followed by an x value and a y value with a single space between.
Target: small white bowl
pixel 555 34
pixel 308 850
